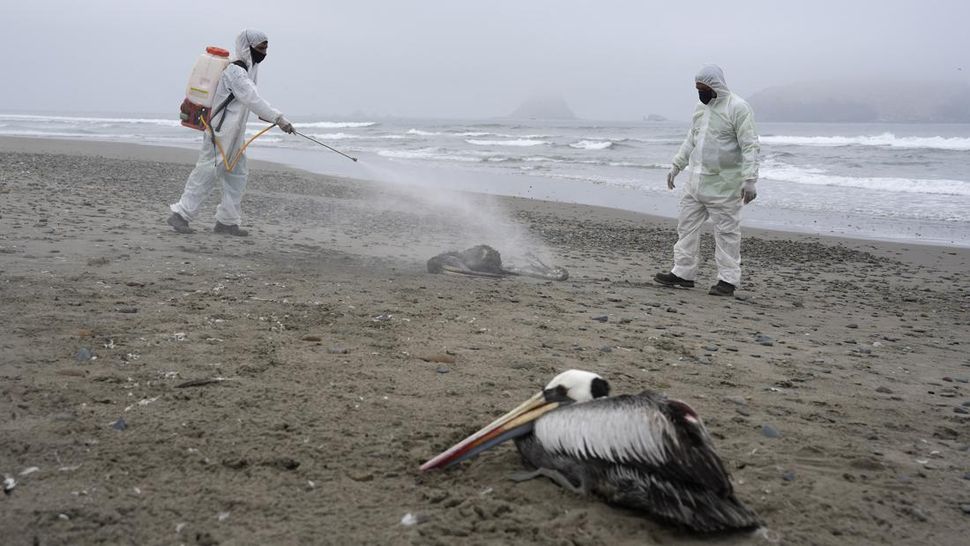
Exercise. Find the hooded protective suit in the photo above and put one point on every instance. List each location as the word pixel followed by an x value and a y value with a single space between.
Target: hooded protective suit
pixel 209 169
pixel 719 154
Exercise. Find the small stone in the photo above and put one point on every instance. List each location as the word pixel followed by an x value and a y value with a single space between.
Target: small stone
pixel 671 310
pixel 601 318
pixel 770 431
pixel 884 390
pixel 83 354
pixel 739 400
pixel 965 508
pixel 442 369
pixel 283 463
pixel 788 476
pixel 410 519
pixel 961 410
pixel 120 424
pixel 338 350
pixel 853 326
pixel 918 514
pixel 129 310
pixel 762 339
pixel 362 477
pixel 606 349
pixel 711 348
pixel 311 338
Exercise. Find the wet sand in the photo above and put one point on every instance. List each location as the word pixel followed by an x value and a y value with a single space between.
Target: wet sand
pixel 283 388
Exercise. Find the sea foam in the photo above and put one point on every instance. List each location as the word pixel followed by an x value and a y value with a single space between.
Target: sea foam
pixel 819 177
pixel 591 145
pixel 336 124
pixel 174 122
pixel 433 154
pixel 888 140
pixel 516 142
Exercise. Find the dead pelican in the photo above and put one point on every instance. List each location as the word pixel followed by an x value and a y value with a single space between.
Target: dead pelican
pixel 485 261
pixel 645 452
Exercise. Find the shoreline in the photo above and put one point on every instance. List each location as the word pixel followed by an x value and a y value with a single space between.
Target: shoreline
pixel 179 155
pixel 566 192
pixel 285 387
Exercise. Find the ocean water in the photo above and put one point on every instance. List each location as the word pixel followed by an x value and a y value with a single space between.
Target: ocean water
pixel 906 182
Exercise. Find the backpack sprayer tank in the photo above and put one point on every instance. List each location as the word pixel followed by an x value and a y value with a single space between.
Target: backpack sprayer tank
pixel 201 89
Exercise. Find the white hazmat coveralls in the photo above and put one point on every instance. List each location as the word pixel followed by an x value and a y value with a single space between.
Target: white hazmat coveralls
pixel 719 154
pixel 210 168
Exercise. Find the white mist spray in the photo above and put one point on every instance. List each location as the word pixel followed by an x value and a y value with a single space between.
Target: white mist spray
pixel 462 219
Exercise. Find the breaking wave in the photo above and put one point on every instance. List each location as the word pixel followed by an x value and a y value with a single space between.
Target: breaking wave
pixel 88 120
pixel 346 136
pixel 337 124
pixel 591 145
pixel 516 142
pixel 819 177
pixel 887 140
pixel 432 154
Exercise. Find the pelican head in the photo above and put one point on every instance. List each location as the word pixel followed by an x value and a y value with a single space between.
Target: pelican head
pixel 576 386
pixel 569 387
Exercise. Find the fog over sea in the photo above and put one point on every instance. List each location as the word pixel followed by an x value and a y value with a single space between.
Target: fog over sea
pixel 908 182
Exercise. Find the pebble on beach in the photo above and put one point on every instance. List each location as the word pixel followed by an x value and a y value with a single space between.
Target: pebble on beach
pixel 770 432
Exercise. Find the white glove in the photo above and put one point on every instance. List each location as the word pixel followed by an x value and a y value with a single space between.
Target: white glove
pixel 284 124
pixel 748 191
pixel 674 171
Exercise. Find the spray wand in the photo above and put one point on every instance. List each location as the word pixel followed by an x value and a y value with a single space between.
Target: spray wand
pixel 311 139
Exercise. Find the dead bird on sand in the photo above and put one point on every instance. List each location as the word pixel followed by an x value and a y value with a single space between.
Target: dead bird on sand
pixel 485 261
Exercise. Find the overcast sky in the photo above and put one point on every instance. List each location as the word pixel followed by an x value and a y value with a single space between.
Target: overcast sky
pixel 610 60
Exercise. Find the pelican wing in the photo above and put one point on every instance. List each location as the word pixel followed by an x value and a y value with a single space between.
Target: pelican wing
pixel 646 431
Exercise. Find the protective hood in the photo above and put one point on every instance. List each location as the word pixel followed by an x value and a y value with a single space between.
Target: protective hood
pixel 246 39
pixel 721 149
pixel 712 76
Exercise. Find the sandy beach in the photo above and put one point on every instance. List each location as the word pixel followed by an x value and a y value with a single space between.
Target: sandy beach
pixel 284 388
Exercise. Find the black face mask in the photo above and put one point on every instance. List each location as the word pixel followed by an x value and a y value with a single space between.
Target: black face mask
pixel 257 56
pixel 706 95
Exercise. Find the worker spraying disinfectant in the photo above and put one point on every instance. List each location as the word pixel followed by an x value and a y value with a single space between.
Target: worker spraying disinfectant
pixel 220 95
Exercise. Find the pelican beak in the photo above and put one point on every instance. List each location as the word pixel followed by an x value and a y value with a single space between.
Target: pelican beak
pixel 515 423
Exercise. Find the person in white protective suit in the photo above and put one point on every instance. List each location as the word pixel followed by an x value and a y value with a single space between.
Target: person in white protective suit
pixel 720 157
pixel 229 127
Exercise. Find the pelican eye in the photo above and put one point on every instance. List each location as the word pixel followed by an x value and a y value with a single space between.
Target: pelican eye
pixel 599 388
pixel 557 394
